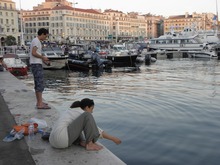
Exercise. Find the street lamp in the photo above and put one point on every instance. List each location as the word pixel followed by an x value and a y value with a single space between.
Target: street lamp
pixel 116 33
pixel 74 27
pixel 21 22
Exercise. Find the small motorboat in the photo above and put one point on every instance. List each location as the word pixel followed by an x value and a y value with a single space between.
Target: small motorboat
pixel 87 61
pixel 24 56
pixel 14 65
pixel 203 54
pixel 56 56
pixel 82 58
pixel 120 56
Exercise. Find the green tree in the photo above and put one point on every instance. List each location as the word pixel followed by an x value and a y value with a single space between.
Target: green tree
pixel 10 40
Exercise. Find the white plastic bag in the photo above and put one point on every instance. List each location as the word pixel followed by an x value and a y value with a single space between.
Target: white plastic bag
pixel 41 123
pixel 14 135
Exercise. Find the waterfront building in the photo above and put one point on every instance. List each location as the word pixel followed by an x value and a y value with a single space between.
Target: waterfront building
pixel 66 23
pixel 204 21
pixel 155 25
pixel 130 26
pixel 9 21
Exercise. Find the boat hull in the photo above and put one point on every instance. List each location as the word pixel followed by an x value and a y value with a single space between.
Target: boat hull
pixel 78 65
pixel 74 64
pixel 202 54
pixel 18 71
pixel 127 60
pixel 14 65
pixel 176 47
pixel 56 63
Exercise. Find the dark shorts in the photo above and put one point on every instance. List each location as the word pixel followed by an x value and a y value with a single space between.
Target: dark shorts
pixel 37 71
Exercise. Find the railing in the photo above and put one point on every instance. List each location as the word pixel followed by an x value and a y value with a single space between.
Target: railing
pixel 12 50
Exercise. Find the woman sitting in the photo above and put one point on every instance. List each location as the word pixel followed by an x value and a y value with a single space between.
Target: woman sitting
pixel 79 126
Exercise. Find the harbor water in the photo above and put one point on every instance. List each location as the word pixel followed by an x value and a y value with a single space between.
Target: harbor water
pixel 166 113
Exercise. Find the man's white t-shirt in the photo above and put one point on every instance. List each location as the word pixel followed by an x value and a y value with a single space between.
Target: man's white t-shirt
pixel 36 43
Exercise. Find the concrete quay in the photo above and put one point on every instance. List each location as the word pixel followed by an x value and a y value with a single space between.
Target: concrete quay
pixel 17 105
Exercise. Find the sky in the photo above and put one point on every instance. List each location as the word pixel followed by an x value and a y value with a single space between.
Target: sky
pixel 156 7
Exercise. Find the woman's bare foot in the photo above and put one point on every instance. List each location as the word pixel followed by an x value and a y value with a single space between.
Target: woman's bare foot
pixel 82 143
pixel 93 147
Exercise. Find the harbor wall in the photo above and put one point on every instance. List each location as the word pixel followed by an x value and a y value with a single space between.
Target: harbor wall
pixel 20 100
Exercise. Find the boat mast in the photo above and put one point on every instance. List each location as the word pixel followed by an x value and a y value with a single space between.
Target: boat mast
pixel 217 15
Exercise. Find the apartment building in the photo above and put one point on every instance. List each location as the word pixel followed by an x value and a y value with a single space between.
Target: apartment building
pixel 9 21
pixel 79 24
pixel 204 21
pixel 155 25
pixel 66 23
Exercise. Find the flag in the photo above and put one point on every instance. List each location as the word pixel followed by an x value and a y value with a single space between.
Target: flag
pixel 215 18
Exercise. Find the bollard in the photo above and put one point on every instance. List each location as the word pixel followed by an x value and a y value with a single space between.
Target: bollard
pixel 185 55
pixel 154 55
pixel 169 55
pixel 148 59
pixel 218 55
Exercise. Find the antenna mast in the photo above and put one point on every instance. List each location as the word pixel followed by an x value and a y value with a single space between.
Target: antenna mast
pixel 217 14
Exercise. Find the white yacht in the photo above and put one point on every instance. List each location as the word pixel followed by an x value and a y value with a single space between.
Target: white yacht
pixel 206 36
pixel 176 43
pixel 187 40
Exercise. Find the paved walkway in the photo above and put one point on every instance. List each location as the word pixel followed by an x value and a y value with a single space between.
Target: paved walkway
pixel 18 99
pixel 16 152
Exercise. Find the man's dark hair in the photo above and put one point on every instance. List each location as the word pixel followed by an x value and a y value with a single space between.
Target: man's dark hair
pixel 42 31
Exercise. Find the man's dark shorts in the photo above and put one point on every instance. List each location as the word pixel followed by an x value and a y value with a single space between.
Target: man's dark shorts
pixel 37 71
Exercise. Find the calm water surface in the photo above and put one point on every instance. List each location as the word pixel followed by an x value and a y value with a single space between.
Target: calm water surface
pixel 166 113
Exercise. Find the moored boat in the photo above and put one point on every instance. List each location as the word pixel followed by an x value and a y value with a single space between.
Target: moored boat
pixel 87 62
pixel 24 56
pixel 81 57
pixel 203 54
pixel 174 43
pixel 122 60
pixel 15 65
pixel 189 39
pixel 206 36
pixel 56 56
pixel 120 56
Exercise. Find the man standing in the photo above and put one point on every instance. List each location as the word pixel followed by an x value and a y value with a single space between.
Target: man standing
pixel 2 64
pixel 36 61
